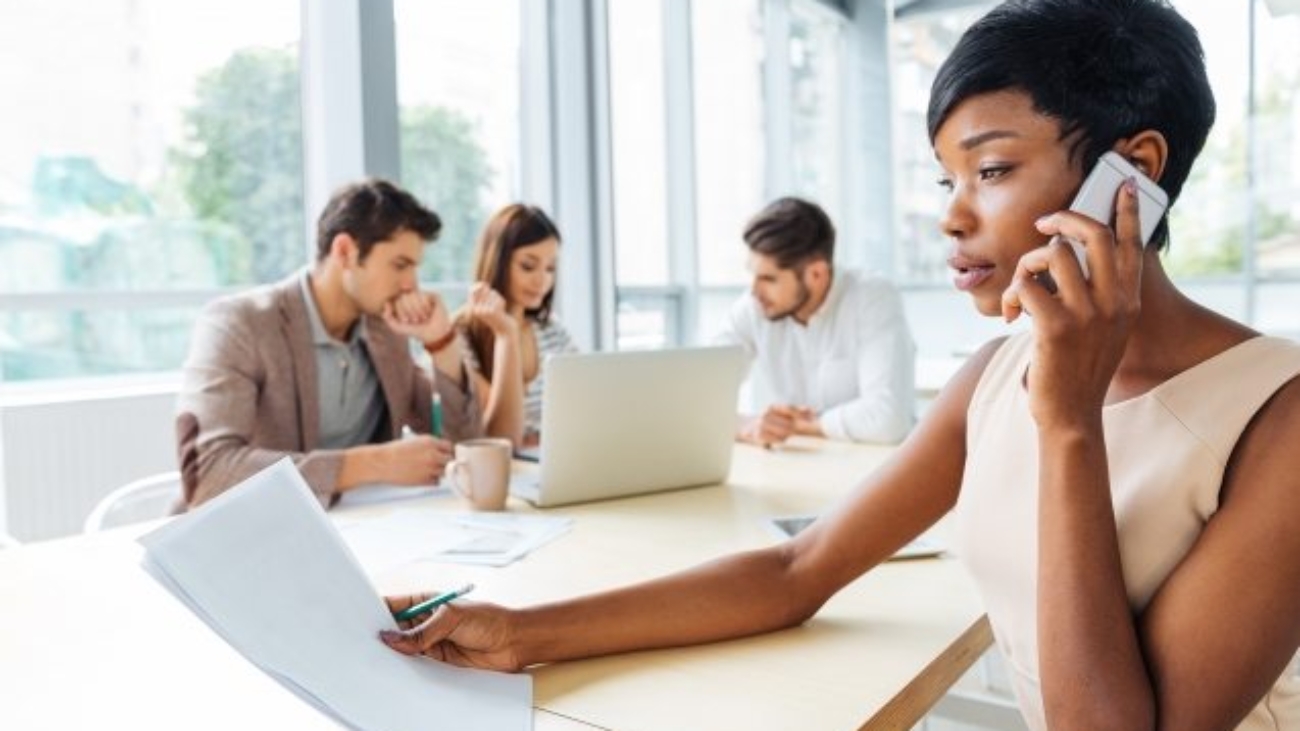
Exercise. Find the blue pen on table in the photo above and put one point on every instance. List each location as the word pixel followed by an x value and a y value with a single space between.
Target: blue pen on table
pixel 428 605
pixel 437 414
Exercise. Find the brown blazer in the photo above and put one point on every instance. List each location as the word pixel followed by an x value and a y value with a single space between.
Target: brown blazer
pixel 248 396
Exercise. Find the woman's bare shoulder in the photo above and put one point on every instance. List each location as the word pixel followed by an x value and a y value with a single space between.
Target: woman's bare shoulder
pixel 955 397
pixel 1256 464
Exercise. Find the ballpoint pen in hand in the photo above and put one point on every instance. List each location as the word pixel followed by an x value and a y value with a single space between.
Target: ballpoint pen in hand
pixel 428 605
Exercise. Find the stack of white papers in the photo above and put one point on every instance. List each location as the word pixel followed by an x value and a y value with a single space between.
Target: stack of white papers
pixel 263 566
pixel 485 539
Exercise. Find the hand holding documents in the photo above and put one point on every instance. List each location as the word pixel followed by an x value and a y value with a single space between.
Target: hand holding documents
pixel 308 616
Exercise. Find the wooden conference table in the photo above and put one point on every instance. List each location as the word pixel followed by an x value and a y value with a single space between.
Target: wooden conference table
pixel 88 640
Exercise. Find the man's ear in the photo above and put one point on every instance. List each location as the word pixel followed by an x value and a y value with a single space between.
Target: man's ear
pixel 1148 151
pixel 817 272
pixel 344 249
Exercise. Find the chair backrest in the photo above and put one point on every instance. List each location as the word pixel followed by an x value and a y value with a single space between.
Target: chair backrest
pixel 143 499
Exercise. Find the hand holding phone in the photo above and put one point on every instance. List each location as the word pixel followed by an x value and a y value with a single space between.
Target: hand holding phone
pixel 1096 200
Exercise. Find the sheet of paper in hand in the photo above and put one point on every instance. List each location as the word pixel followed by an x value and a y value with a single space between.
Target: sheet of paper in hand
pixel 267 571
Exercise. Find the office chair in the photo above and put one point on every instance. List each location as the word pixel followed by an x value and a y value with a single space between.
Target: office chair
pixel 147 498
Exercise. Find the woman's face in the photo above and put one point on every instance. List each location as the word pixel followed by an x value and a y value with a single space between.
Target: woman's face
pixel 1004 167
pixel 532 273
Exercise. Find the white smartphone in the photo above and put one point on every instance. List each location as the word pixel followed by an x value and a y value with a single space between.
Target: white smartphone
pixel 1096 199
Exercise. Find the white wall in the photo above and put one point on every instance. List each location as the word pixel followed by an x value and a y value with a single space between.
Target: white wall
pixel 60 453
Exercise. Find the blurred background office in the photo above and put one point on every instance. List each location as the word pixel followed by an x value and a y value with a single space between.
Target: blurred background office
pixel 157 154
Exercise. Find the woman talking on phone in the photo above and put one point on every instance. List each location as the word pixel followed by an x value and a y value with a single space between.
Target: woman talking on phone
pixel 1123 494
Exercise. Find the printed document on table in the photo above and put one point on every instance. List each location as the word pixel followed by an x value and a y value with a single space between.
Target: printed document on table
pixel 264 567
pixel 481 538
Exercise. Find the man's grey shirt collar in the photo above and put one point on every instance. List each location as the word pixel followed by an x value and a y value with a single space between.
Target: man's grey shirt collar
pixel 319 335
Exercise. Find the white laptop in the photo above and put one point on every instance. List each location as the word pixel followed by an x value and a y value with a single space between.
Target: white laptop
pixel 618 424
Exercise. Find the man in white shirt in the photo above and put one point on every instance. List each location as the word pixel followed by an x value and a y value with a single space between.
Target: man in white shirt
pixel 830 351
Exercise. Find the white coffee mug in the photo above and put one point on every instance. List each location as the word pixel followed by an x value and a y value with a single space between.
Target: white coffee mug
pixel 480 473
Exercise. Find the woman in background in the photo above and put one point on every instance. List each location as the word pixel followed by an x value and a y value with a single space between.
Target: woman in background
pixel 514 273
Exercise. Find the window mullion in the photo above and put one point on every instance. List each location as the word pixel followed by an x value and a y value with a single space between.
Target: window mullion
pixel 679 125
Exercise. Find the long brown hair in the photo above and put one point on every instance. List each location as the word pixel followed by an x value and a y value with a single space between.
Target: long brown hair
pixel 509 229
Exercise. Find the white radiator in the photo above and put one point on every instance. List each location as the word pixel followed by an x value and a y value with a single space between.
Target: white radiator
pixel 59 456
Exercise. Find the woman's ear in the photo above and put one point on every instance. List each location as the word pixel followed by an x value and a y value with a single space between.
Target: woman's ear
pixel 1147 151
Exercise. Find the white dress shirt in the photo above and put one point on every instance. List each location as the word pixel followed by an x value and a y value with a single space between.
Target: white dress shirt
pixel 853 362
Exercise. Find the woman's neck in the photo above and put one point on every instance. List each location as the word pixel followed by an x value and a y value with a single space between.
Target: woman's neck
pixel 1172 333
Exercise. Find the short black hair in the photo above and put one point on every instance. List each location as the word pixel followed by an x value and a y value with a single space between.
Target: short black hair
pixel 1105 69
pixel 793 232
pixel 370 211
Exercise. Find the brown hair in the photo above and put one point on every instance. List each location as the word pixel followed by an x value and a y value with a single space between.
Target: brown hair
pixel 793 232
pixel 371 211
pixel 510 229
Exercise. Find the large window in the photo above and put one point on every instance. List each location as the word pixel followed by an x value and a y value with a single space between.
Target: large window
pixel 637 118
pixel 816 80
pixel 157 152
pixel 648 309
pixel 1209 222
pixel 458 70
pixel 921 43
pixel 730 150
pixel 716 108
pixel 690 153
pixel 1239 213
pixel 161 164
pixel 1277 141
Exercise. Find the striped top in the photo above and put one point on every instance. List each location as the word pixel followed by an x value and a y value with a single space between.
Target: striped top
pixel 551 338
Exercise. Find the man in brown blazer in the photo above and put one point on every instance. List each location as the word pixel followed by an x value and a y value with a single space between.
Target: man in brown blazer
pixel 318 367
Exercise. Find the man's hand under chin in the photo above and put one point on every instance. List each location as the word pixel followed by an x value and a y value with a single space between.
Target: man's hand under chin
pixel 421 315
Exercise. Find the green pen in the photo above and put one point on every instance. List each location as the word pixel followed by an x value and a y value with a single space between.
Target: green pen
pixel 437 414
pixel 428 605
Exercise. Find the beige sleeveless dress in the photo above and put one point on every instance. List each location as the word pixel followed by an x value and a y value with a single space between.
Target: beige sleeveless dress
pixel 1167 450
